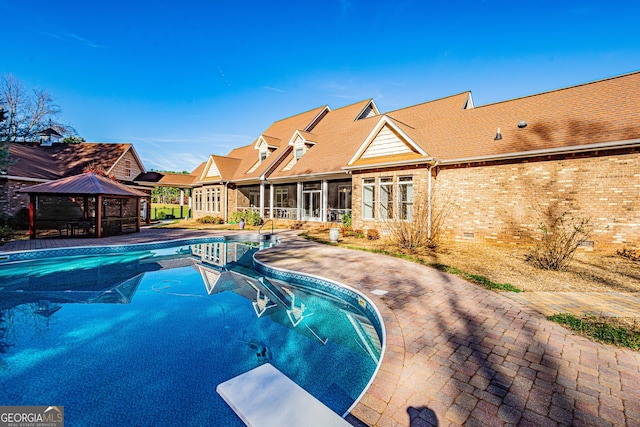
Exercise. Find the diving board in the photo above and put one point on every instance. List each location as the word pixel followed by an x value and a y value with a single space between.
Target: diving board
pixel 265 397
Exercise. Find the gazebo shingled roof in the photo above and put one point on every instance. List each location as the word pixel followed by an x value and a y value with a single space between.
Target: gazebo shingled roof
pixel 86 183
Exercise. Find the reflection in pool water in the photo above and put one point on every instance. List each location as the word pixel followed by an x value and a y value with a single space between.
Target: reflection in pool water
pixel 143 337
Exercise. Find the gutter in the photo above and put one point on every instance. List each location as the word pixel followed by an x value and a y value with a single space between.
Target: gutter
pixel 22 178
pixel 307 176
pixel 426 161
pixel 549 151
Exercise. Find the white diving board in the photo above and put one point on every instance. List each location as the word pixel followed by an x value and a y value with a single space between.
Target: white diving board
pixel 265 397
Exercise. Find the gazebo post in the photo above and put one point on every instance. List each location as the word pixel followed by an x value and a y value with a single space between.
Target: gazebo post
pixel 138 216
pixel 148 218
pixel 32 216
pixel 98 216
pixel 86 207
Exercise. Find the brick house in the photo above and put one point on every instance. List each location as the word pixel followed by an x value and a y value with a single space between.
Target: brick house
pixel 490 170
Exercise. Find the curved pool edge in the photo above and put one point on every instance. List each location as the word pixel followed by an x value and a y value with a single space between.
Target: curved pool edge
pixel 30 254
pixel 381 402
pixel 384 394
pixel 346 292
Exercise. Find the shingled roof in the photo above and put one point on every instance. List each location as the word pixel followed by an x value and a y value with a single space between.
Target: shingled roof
pixel 601 114
pixel 84 184
pixel 277 135
pixel 31 160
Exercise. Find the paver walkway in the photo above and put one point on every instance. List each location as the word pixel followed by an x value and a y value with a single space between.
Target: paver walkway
pixel 457 354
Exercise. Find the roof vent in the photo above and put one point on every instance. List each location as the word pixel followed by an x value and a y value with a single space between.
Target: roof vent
pixel 522 124
pixel 498 135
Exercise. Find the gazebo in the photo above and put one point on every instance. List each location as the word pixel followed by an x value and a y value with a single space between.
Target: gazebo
pixel 86 204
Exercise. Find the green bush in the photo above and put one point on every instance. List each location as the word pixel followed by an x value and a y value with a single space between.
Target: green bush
pixel 346 219
pixel 359 234
pixel 6 233
pixel 249 217
pixel 236 217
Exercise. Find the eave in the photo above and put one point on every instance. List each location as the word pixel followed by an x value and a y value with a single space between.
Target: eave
pixel 632 143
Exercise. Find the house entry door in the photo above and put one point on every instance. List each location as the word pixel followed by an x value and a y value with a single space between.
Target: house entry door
pixel 311 195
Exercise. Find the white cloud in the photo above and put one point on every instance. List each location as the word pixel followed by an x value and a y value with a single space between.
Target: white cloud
pixel 273 89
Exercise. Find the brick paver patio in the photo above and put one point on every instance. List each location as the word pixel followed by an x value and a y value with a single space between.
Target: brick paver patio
pixel 456 354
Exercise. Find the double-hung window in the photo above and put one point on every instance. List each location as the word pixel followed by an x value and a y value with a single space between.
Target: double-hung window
pixel 386 198
pixel 368 198
pixel 405 198
pixel 216 200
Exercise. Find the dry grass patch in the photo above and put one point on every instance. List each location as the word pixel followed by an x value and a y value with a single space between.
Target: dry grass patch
pixel 588 272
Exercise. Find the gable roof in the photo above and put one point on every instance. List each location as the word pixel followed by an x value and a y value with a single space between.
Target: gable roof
pixel 219 168
pixel 601 114
pixel 337 137
pixel 169 179
pixel 84 184
pixel 32 161
pixel 277 135
pixel 398 131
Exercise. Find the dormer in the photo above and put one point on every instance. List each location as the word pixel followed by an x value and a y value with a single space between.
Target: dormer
pixel 265 146
pixel 301 142
pixel 368 111
pixel 468 103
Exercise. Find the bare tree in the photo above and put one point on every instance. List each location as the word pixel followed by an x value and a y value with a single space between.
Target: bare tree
pixel 4 146
pixel 27 112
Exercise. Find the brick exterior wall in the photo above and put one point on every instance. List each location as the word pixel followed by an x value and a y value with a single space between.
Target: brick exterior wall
pixel 500 202
pixel 199 208
pixel 10 200
pixel 420 186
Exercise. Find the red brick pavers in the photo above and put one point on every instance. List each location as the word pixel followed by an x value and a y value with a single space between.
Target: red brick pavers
pixel 458 354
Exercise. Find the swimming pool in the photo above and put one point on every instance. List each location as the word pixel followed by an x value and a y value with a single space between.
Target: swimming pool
pixel 142 335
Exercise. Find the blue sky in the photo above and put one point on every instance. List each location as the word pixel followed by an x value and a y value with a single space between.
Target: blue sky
pixel 182 80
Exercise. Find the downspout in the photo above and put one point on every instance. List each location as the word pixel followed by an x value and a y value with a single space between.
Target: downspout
pixel 429 194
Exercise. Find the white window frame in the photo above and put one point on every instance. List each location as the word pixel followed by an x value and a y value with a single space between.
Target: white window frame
pixel 385 210
pixel 405 190
pixel 368 188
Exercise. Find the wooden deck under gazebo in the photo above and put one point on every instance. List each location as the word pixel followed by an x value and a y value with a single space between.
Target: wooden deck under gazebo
pixel 86 204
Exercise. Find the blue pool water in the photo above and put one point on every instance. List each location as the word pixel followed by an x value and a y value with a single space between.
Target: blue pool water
pixel 143 335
